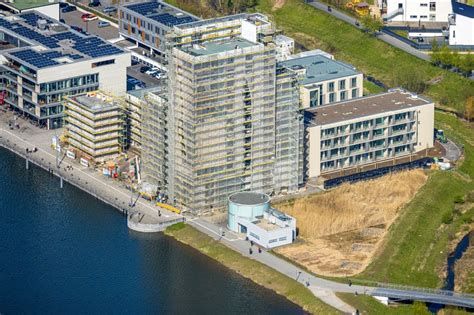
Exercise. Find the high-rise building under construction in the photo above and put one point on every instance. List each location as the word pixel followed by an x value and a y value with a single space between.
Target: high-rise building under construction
pixel 231 124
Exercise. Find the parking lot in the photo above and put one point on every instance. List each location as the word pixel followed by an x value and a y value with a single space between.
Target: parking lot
pixel 74 19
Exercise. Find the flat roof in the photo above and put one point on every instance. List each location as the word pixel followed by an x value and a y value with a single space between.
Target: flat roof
pixel 26 4
pixel 162 13
pixel 364 106
pixel 95 102
pixel 249 198
pixel 59 43
pixel 215 47
pixel 319 68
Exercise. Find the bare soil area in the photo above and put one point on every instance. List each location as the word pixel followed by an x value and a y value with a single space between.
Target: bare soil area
pixel 341 230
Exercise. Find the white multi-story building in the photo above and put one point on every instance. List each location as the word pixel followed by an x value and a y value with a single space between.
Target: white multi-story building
pixel 285 46
pixel 461 24
pixel 49 8
pixel 323 80
pixel 44 60
pixel 417 10
pixel 369 130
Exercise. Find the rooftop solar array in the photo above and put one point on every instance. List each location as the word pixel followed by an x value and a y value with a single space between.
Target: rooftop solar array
pixel 162 13
pixel 84 46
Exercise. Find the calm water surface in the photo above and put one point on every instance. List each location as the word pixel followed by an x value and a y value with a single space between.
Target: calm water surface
pixel 62 251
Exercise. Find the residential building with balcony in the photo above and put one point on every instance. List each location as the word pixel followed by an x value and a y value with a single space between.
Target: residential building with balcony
pixel 43 60
pixel 367 131
pixel 420 11
pixel 95 125
pixel 323 80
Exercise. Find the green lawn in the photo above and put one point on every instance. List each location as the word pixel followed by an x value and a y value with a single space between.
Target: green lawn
pixel 371 88
pixel 368 305
pixel 257 272
pixel 417 242
pixel 316 29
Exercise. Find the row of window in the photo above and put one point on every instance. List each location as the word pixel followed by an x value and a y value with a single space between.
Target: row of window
pixel 149 26
pixel 342 84
pixel 69 83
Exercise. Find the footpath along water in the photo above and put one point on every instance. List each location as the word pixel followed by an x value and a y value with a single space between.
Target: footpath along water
pixel 62 251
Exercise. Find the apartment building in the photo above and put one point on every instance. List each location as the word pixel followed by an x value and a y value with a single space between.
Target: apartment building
pixel 222 118
pixel 285 47
pixel 323 80
pixel 95 125
pixel 44 60
pixel 417 10
pixel 367 130
pixel 147 23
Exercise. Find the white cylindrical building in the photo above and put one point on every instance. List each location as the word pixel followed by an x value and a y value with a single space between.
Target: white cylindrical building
pixel 247 205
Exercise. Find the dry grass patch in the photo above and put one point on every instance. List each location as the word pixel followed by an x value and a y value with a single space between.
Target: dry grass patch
pixel 341 229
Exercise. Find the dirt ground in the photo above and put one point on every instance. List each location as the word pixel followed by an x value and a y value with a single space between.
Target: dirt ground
pixel 278 4
pixel 341 230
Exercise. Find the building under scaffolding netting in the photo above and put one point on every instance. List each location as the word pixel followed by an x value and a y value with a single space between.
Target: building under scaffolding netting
pixel 229 129
pixel 154 148
pixel 95 125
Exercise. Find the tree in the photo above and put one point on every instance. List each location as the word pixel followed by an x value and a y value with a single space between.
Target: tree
pixel 467 64
pixel 446 56
pixel 435 53
pixel 372 24
pixel 469 108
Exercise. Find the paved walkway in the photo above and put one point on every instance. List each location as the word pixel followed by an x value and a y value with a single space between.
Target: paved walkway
pixel 105 189
pixel 382 36
pixel 321 288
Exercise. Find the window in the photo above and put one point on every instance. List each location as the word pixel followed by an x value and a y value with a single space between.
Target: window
pixel 313 98
pixel 342 96
pixel 432 6
pixel 331 87
pixel 423 4
pixel 353 82
pixel 281 239
pixel 332 97
pixel 342 85
pixel 354 93
pixel 103 63
pixel 413 16
pixel 273 240
pixel 254 235
pixel 423 16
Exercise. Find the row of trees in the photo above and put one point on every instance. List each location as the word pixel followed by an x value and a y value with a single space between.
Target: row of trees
pixel 447 58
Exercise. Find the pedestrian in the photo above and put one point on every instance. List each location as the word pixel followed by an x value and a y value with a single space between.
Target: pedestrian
pixel 251 243
pixel 307 283
pixel 259 250
pixel 250 251
pixel 159 213
pixel 350 283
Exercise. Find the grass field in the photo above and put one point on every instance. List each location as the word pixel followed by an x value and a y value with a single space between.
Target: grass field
pixel 316 29
pixel 249 268
pixel 368 305
pixel 417 243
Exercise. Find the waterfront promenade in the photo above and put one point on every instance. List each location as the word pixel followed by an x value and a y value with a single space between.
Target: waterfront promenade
pixel 93 182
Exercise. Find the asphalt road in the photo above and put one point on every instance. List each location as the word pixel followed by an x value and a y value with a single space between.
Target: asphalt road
pixel 384 37
pixel 74 19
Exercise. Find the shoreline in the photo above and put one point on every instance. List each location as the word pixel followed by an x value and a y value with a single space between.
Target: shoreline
pixel 255 271
pixel 46 162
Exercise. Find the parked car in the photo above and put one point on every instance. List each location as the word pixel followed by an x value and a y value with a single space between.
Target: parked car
pixel 144 69
pixel 63 4
pixel 109 10
pixel 62 21
pixel 68 8
pixel 77 28
pixel 94 4
pixel 103 24
pixel 152 71
pixel 89 17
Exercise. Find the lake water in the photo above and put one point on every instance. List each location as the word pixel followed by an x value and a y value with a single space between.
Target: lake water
pixel 62 251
